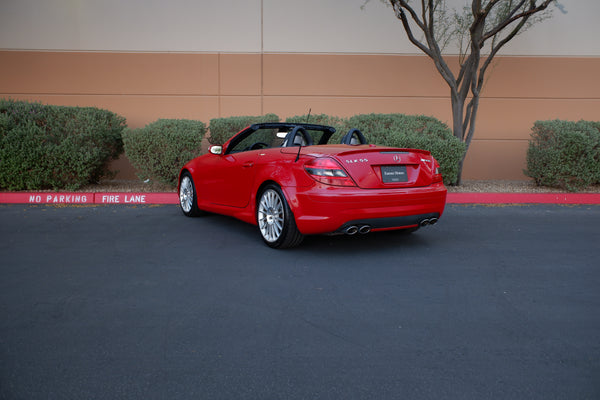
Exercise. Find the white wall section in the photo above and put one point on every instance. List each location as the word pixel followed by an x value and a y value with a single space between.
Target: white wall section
pixel 309 26
pixel 131 25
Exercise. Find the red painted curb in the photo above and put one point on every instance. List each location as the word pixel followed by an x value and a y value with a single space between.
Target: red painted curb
pixel 136 198
pixel 88 198
pixel 172 198
pixel 46 198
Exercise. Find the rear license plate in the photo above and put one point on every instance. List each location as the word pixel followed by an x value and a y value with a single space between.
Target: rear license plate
pixel 394 174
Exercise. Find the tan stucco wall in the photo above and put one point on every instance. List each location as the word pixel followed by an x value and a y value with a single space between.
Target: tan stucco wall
pixel 146 86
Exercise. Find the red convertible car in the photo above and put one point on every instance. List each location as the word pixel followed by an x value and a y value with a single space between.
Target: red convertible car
pixel 286 179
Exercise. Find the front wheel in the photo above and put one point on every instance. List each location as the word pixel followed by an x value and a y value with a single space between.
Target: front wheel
pixel 275 219
pixel 188 199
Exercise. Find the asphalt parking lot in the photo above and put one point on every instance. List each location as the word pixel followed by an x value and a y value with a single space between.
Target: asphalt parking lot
pixel 139 302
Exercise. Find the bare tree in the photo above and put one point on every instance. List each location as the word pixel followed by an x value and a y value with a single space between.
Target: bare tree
pixel 433 25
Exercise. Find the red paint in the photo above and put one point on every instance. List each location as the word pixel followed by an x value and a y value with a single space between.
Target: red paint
pixel 325 185
pixel 171 198
pixel 87 198
pixel 47 198
pixel 136 198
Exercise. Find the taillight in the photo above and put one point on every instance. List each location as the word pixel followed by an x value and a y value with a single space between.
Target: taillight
pixel 437 176
pixel 328 171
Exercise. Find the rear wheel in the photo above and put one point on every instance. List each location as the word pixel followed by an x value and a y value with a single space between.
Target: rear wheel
pixel 188 199
pixel 275 219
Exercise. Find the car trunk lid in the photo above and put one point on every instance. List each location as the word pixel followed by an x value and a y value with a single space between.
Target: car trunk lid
pixel 374 168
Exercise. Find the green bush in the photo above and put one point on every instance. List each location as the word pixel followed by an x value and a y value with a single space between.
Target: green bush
pixel 56 147
pixel 564 154
pixel 340 124
pixel 414 131
pixel 161 148
pixel 222 129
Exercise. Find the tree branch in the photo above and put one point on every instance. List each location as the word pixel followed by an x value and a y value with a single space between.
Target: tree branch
pixel 431 21
pixel 512 17
pixel 399 6
pixel 431 49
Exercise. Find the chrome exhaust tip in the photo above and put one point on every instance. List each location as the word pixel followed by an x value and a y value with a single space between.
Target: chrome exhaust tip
pixel 432 221
pixel 365 229
pixel 351 230
pixel 425 222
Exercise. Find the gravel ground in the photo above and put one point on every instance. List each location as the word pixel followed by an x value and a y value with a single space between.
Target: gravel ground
pixel 477 186
pixel 511 187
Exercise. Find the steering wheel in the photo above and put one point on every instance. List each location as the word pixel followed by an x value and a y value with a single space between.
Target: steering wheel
pixel 354 137
pixel 258 145
pixel 298 136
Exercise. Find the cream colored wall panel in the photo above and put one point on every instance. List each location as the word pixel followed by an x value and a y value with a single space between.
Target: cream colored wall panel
pixel 39 24
pixel 131 25
pixel 332 26
pixel 309 26
pixel 343 26
pixel 574 32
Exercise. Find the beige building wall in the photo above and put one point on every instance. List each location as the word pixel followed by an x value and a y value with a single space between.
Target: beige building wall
pixel 155 59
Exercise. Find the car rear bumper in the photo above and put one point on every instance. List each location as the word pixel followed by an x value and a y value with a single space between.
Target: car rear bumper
pixel 329 209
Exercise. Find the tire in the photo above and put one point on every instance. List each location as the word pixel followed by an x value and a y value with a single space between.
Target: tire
pixel 188 199
pixel 275 220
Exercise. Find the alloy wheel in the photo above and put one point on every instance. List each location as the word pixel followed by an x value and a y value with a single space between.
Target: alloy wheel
pixel 271 215
pixel 186 194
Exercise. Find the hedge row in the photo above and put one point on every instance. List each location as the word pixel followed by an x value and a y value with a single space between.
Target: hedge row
pixel 564 154
pixel 55 147
pixel 160 149
pixel 399 130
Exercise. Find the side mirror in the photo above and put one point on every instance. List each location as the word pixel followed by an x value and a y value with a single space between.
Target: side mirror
pixel 217 150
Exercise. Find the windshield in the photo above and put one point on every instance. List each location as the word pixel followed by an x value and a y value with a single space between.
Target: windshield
pixel 264 136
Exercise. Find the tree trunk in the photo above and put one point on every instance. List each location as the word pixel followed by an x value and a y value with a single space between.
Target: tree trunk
pixel 458 108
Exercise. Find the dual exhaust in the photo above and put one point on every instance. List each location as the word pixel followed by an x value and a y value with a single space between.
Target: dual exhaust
pixel 364 229
pixel 354 229
pixel 429 221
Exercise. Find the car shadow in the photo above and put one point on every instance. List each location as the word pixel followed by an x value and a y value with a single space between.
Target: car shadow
pixel 230 232
pixel 371 242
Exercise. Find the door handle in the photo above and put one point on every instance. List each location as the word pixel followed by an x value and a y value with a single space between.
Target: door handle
pixel 248 164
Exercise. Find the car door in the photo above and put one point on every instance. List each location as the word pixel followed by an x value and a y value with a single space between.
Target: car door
pixel 232 177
